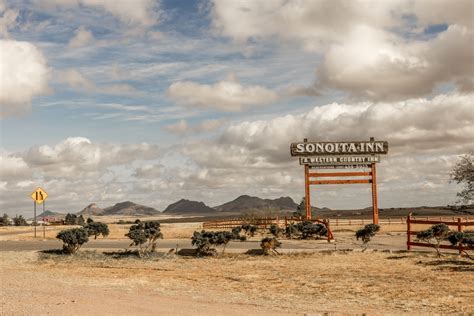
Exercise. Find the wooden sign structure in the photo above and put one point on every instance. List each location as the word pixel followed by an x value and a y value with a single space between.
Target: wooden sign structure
pixel 340 155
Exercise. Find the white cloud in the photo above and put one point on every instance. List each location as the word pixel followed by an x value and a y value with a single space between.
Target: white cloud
pixel 227 95
pixel 7 20
pixel 24 75
pixel 373 50
pixel 82 37
pixel 77 80
pixel 136 12
pixel 182 127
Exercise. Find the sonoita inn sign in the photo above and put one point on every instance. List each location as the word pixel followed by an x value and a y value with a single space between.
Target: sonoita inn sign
pixel 339 148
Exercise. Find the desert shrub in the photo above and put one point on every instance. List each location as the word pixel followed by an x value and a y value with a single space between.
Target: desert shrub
pixel 19 221
pixel 96 229
pixel 206 241
pixel 89 220
pixel 73 239
pixel 276 231
pixel 145 235
pixel 236 232
pixel 291 231
pixel 366 234
pixel 311 230
pixel 270 244
pixel 434 236
pixel 4 220
pixel 249 229
pixel 464 239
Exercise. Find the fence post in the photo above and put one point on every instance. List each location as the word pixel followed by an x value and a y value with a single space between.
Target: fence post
pixel 408 232
pixel 389 220
pixel 337 222
pixel 460 230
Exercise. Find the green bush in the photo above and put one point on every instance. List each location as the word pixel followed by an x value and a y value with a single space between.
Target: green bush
pixel 19 221
pixel 270 244
pixel 276 231
pixel 205 241
pixel 366 234
pixel 434 236
pixel 249 229
pixel 145 235
pixel 73 239
pixel 96 229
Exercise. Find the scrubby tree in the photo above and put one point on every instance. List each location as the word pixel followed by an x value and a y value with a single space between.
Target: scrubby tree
pixel 249 229
pixel 463 172
pixel 463 239
pixel 434 236
pixel 19 221
pixel 276 231
pixel 206 241
pixel 70 219
pixel 301 208
pixel 89 220
pixel 145 235
pixel 97 228
pixel 291 231
pixel 366 234
pixel 4 220
pixel 73 239
pixel 270 244
pixel 236 232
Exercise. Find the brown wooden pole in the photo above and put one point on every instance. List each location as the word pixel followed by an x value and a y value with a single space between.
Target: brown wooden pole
pixel 307 192
pixel 375 209
pixel 460 230
pixel 409 232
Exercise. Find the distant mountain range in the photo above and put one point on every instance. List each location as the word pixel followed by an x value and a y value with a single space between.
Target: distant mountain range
pixel 189 207
pixel 247 202
pixel 186 207
pixel 123 208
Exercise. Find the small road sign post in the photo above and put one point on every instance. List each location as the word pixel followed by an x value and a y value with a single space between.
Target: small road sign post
pixel 39 196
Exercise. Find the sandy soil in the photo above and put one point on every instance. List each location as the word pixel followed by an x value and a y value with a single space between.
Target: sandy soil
pixel 312 284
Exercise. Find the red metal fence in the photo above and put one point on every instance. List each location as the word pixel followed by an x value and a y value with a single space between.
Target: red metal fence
pixel 459 223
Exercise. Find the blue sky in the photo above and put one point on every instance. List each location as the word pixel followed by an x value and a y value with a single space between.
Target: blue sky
pixel 151 101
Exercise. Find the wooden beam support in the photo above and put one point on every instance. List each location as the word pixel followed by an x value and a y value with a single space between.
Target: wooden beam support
pixel 348 181
pixel 340 174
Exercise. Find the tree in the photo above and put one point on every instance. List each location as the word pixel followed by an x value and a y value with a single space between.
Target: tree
pixel 301 208
pixel 145 235
pixel 463 172
pixel 96 229
pixel 270 244
pixel 4 220
pixel 306 230
pixel 73 239
pixel 205 241
pixel 366 234
pixel 434 236
pixel 249 229
pixel 70 219
pixel 80 220
pixel 90 220
pixel 463 239
pixel 276 231
pixel 19 221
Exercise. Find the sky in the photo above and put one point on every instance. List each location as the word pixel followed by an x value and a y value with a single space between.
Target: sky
pixel 104 101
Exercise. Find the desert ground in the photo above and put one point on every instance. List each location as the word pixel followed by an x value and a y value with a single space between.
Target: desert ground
pixel 308 278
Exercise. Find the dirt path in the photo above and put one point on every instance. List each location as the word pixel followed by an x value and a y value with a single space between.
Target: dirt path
pixel 328 282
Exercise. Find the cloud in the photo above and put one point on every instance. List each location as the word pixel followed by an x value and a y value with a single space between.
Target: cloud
pixel 82 37
pixel 376 51
pixel 7 20
pixel 137 12
pixel 24 74
pixel 182 127
pixel 227 95
pixel 148 171
pixel 78 81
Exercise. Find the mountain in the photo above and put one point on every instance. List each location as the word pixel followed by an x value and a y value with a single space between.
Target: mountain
pixel 246 202
pixel 129 208
pixel 188 207
pixel 49 214
pixel 91 210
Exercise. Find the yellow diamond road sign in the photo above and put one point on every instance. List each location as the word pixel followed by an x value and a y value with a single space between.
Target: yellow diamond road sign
pixel 39 195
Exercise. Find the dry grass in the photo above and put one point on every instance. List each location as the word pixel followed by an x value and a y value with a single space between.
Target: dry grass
pixel 334 282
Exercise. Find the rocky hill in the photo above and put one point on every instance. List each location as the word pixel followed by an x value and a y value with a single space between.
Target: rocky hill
pixel 123 208
pixel 247 202
pixel 189 207
pixel 91 210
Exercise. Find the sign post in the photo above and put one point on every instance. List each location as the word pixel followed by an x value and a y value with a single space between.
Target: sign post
pixel 340 155
pixel 39 196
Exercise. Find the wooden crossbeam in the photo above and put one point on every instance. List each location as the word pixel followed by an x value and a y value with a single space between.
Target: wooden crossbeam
pixel 348 181
pixel 339 174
